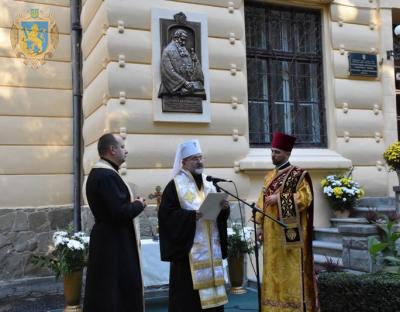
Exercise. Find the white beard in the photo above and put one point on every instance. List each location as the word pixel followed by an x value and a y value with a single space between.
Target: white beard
pixel 198 170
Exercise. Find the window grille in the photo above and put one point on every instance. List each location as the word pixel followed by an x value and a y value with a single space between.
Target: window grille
pixel 284 74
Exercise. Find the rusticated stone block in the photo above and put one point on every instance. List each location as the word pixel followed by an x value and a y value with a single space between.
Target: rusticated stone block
pixel 87 219
pixel 346 257
pixel 359 243
pixel 6 211
pixel 60 218
pixel 360 260
pixel 38 221
pixel 12 266
pixel 346 241
pixel 31 269
pixel 43 241
pixel 4 240
pixel 7 221
pixel 4 253
pixel 148 222
pixel 21 222
pixel 25 241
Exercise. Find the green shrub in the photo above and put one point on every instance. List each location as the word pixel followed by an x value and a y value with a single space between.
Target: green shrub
pixel 379 292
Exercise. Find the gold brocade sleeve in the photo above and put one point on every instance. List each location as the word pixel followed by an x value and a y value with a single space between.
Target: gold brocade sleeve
pixel 260 201
pixel 303 196
pixel 260 205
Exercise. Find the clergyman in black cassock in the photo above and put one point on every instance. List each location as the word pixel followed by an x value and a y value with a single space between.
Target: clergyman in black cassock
pixel 114 278
pixel 177 228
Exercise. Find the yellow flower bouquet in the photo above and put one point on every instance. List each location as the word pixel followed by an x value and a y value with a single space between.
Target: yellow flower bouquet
pixel 392 156
pixel 342 192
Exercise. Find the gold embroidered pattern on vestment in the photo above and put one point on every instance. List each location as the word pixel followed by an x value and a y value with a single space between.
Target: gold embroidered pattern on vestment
pixel 288 209
pixel 214 302
pixel 279 304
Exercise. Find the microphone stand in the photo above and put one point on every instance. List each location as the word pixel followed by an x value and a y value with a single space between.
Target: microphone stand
pixel 254 210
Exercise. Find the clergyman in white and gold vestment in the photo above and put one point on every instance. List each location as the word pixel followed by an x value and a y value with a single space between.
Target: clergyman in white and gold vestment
pixel 194 246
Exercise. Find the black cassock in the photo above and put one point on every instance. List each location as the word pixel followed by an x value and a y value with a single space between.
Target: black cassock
pixel 177 227
pixel 113 279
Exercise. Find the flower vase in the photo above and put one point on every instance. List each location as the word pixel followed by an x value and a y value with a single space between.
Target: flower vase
pixel 72 291
pixel 236 274
pixel 342 213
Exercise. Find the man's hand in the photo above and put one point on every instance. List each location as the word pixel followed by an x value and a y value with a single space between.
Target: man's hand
pixel 260 234
pixel 224 204
pixel 142 200
pixel 198 215
pixel 271 200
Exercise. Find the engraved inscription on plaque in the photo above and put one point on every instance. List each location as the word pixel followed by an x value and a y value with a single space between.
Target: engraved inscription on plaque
pixel 182 80
pixel 187 104
pixel 362 64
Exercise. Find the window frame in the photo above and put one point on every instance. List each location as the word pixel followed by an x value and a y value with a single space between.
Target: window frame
pixel 293 58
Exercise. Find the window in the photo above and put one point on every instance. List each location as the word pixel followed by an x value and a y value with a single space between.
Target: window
pixel 284 74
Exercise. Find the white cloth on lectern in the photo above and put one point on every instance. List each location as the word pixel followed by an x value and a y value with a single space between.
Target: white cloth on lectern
pixel 185 149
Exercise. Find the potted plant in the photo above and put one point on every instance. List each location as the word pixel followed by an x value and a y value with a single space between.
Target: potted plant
pixel 239 243
pixel 342 193
pixel 392 157
pixel 66 258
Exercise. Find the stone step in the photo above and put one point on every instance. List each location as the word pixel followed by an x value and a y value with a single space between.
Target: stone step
pixel 327 248
pixel 341 221
pixel 377 202
pixel 321 259
pixel 330 234
pixel 361 211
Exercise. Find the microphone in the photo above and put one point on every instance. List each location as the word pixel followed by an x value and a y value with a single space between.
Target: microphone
pixel 216 180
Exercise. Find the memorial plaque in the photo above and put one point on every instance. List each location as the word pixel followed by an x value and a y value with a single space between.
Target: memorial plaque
pixel 182 79
pixel 362 64
pixel 187 104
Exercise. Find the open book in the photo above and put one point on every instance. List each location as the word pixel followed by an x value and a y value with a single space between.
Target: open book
pixel 211 207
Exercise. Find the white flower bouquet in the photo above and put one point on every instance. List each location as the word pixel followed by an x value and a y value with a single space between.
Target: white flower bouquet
pixel 69 253
pixel 341 192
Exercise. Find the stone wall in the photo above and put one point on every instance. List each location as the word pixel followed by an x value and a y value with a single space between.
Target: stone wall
pixel 147 219
pixel 27 232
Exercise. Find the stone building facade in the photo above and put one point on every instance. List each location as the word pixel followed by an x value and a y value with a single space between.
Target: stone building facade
pixel 355 117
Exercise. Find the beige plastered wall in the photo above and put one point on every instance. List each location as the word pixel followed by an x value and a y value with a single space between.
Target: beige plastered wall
pixel 35 116
pixel 118 90
pixel 118 83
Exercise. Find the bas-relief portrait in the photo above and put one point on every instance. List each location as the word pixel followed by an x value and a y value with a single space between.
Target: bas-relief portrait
pixel 182 78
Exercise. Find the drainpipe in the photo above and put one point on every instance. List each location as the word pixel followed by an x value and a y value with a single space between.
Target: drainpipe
pixel 76 36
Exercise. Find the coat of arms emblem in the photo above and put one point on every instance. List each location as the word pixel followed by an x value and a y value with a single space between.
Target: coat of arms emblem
pixel 34 36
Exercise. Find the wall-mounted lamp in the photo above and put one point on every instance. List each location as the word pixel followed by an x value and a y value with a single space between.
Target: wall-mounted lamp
pixel 395 53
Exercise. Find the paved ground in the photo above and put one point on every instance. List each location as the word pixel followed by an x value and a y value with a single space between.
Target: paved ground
pixel 55 303
pixel 38 304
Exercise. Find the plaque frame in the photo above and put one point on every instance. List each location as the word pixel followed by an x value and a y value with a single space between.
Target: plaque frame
pixel 157 16
pixel 355 65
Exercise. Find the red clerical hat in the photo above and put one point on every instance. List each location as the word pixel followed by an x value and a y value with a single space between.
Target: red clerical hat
pixel 283 141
